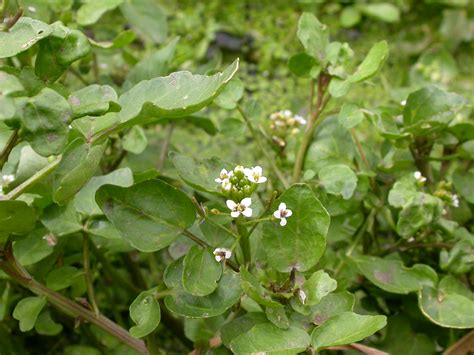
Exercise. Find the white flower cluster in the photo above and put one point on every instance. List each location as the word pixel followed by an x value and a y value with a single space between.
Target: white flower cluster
pixel 455 200
pixel 5 181
pixel 287 118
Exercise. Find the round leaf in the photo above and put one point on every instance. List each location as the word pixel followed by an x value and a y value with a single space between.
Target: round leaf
pixel 145 312
pixel 200 271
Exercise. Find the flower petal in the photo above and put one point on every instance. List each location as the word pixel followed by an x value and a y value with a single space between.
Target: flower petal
pixel 283 222
pixel 246 202
pixel 257 170
pixel 277 214
pixel 262 179
pixel 231 204
pixel 235 214
pixel 282 206
pixel 247 212
pixel 288 213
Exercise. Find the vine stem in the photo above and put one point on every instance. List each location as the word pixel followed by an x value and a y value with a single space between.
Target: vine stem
pixel 17 191
pixel 165 146
pixel 257 139
pixel 314 122
pixel 87 272
pixel 12 268
pixel 8 148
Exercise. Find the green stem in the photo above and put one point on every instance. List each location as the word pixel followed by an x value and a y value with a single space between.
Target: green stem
pixel 258 220
pixel 17 191
pixel 220 226
pixel 8 147
pixel 87 273
pixel 3 9
pixel 151 345
pixel 165 146
pixel 12 268
pixel 264 151
pixel 244 242
pixel 356 241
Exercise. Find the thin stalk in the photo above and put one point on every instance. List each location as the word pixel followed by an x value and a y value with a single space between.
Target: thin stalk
pixel 204 244
pixel 356 241
pixel 359 149
pixel 220 226
pixel 257 140
pixel 3 9
pixel 79 76
pixel 17 191
pixel 8 148
pixel 10 23
pixel 151 345
pixel 87 273
pixel 12 268
pixel 244 242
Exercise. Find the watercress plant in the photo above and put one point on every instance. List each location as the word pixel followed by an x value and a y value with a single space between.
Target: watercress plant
pixel 341 224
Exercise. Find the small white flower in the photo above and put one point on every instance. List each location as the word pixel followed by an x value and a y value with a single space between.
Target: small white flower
pixel 224 176
pixel 6 179
pixel 239 168
pixel 226 185
pixel 302 296
pixel 419 177
pixel 455 200
pixel 300 120
pixel 255 174
pixel 286 113
pixel 222 254
pixel 274 116
pixel 32 8
pixel 241 208
pixel 403 103
pixel 281 213
pixel 51 239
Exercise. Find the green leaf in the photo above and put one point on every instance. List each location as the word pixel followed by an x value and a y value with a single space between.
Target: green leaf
pixel 177 95
pixel 313 35
pixel 227 293
pixel 332 305
pixel 403 191
pixel 155 65
pixel 149 215
pixel 277 316
pixel 420 211
pixel 199 174
pixel 62 277
pixel 300 243
pixel 78 164
pixel 200 271
pixel 302 65
pixel 430 108
pixel 266 337
pixel 61 220
pixel 45 118
pixel 16 217
pixel 22 36
pixel 255 290
pixel 135 140
pixel 27 310
pixel 63 47
pixel 145 312
pixel 318 286
pixel 45 325
pixel 338 87
pixel 350 16
pixel 464 184
pixel 350 115
pixel 372 63
pixel 147 18
pixel 230 96
pixel 91 10
pixel 33 248
pixel 338 179
pixel 10 85
pixel 93 100
pixel 392 276
pixel 346 328
pixel 450 305
pixel 84 201
pixel 123 39
pixel 381 11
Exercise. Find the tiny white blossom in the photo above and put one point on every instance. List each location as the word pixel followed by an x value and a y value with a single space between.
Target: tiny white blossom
pixel 6 179
pixel 282 213
pixel 226 185
pixel 403 103
pixel 32 8
pixel 274 116
pixel 255 174
pixel 455 200
pixel 302 296
pixel 239 168
pixel 286 113
pixel 222 254
pixel 300 120
pixel 419 177
pixel 242 208
pixel 51 239
pixel 224 176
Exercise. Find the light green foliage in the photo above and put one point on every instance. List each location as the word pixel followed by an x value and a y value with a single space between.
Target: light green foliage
pixel 145 312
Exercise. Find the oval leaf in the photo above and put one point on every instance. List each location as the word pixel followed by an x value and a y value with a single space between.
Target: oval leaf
pixel 145 312
pixel 302 241
pixel 27 310
pixel 200 271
